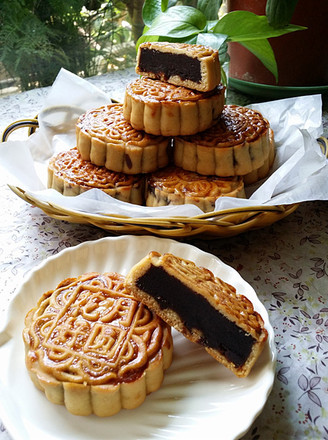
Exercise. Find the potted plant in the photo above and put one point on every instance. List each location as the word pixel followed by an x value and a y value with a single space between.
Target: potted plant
pixel 302 58
pixel 200 24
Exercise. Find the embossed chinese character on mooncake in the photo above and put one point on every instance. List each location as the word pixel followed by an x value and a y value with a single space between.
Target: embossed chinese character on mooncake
pixel 95 349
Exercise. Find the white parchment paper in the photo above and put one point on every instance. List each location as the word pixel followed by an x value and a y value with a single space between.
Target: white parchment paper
pixel 299 173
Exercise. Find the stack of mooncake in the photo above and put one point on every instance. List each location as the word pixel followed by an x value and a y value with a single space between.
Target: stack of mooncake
pixel 173 140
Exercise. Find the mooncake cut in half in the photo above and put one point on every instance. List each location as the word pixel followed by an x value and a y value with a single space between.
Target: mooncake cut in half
pixel 189 65
pixel 237 144
pixel 94 348
pixel 161 108
pixel 204 308
pixel 70 175
pixel 175 186
pixel 105 138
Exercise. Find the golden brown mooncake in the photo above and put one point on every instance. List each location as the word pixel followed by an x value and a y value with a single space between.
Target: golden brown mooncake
pixel 263 171
pixel 189 65
pixel 204 308
pixel 105 138
pixel 175 186
pixel 164 109
pixel 95 349
pixel 70 175
pixel 237 144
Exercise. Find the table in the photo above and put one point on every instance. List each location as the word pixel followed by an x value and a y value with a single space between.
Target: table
pixel 286 263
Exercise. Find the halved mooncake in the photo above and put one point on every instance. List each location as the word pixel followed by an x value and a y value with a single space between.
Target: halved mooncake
pixel 161 108
pixel 175 186
pixel 237 144
pixel 189 65
pixel 202 307
pixel 105 138
pixel 94 348
pixel 70 175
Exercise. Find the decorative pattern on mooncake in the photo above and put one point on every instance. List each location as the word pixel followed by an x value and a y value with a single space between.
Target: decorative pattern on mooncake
pixel 237 145
pixel 105 138
pixel 92 347
pixel 189 65
pixel 164 109
pixel 70 175
pixel 202 307
pixel 175 186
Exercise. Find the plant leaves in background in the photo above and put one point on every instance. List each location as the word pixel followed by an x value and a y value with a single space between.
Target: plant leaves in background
pixel 280 12
pixel 245 26
pixel 210 39
pixel 210 8
pixel 178 22
pixel 151 9
pixel 263 50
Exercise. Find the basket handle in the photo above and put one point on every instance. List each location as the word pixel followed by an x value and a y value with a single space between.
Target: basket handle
pixel 32 124
pixel 323 143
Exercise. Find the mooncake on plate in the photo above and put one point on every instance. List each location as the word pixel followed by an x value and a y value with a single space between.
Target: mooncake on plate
pixel 94 348
pixel 204 308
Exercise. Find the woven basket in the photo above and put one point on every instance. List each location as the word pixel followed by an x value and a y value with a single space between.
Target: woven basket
pixel 224 223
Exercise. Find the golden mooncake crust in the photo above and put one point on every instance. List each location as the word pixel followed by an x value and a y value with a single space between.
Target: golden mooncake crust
pixel 175 186
pixel 105 138
pixel 263 171
pixel 237 145
pixel 164 109
pixel 189 65
pixel 70 175
pixel 92 347
pixel 225 322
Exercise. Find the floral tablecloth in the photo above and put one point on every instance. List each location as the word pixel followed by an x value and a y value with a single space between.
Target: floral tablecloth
pixel 286 263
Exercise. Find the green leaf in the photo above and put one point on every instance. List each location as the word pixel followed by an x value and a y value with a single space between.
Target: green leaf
pixel 210 39
pixel 263 51
pixel 151 9
pixel 244 26
pixel 178 22
pixel 280 12
pixel 210 8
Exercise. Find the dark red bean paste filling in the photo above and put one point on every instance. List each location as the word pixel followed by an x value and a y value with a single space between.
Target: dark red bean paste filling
pixel 170 64
pixel 218 332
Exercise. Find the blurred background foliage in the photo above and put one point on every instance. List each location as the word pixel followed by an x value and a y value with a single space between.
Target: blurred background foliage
pixel 87 37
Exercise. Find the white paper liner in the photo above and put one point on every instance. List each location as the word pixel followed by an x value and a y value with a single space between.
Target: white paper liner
pixel 299 173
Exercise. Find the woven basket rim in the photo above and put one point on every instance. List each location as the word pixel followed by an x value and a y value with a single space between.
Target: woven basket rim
pixel 222 223
pixel 218 223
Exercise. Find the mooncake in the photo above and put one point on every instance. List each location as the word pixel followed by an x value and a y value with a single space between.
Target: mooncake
pixel 94 348
pixel 105 138
pixel 175 186
pixel 161 108
pixel 189 65
pixel 204 308
pixel 70 175
pixel 236 145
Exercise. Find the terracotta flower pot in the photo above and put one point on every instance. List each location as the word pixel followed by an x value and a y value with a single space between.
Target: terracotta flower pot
pixel 302 56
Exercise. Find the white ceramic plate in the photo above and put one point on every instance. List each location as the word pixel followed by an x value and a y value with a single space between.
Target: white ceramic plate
pixel 199 397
